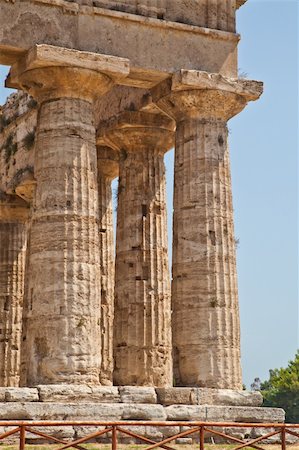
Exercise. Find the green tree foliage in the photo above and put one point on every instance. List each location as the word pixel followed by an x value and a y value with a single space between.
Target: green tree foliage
pixel 282 390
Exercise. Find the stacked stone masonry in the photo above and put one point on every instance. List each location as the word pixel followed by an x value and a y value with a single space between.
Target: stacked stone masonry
pixel 78 315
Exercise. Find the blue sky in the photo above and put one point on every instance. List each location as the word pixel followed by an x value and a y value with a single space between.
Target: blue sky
pixel 264 143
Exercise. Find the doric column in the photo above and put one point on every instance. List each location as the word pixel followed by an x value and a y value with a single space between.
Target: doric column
pixel 13 239
pixel 108 165
pixel 62 321
pixel 206 328
pixel 142 324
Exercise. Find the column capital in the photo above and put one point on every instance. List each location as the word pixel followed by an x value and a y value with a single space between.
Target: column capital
pixel 202 95
pixel 13 208
pixel 47 72
pixel 136 131
pixel 108 161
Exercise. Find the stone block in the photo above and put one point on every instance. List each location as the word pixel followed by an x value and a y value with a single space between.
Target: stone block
pixel 63 433
pixel 85 431
pixel 244 414
pixel 59 411
pixel 184 412
pixel 64 393
pixel 184 441
pixel 143 412
pixel 104 394
pixel 21 394
pixel 177 396
pixel 228 397
pixel 206 396
pixel 2 394
pixel 134 394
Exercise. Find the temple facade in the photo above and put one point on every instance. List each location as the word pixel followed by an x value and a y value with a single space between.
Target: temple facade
pixel 105 89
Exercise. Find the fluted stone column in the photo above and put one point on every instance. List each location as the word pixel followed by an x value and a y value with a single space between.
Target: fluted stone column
pixel 13 241
pixel 142 324
pixel 108 167
pixel 206 328
pixel 62 322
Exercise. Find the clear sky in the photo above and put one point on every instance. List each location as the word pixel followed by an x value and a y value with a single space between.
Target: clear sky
pixel 264 144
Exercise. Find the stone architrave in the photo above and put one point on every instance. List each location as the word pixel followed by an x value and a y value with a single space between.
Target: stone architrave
pixel 206 328
pixel 142 323
pixel 108 167
pixel 14 214
pixel 61 340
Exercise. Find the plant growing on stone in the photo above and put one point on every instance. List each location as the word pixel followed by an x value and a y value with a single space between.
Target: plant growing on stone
pixel 29 140
pixel 10 147
pixel 4 122
pixel 32 104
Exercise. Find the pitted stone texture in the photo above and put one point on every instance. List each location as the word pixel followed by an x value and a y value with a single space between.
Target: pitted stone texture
pixel 61 336
pixel 229 397
pixel 64 393
pixel 216 14
pixel 132 394
pixel 184 412
pixel 59 411
pixel 207 351
pixel 14 214
pixel 64 433
pixel 245 414
pixel 205 320
pixel 18 117
pixel 142 324
pixel 105 394
pixel 177 396
pixel 143 412
pixel 21 395
pixel 107 170
pixel 202 396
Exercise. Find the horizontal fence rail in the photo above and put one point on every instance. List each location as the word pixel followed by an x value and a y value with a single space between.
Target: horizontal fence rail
pixel 114 430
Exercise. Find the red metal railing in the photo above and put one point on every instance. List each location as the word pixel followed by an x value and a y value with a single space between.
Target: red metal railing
pixel 113 430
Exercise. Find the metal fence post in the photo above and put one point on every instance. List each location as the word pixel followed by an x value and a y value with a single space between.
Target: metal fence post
pixel 202 438
pixel 114 438
pixel 22 437
pixel 283 439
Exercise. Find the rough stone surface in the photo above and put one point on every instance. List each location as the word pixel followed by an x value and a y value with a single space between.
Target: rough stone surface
pixel 205 321
pixel 184 412
pixel 107 171
pixel 143 412
pixel 64 393
pixel 117 33
pixel 17 137
pixel 68 311
pixel 59 411
pixel 245 414
pixel 105 394
pixel 205 396
pixel 13 243
pixel 142 331
pixel 21 395
pixel 62 342
pixel 132 394
pixel 66 280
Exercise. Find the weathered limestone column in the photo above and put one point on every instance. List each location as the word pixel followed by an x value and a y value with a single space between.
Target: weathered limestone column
pixel 62 321
pixel 108 168
pixel 14 213
pixel 142 324
pixel 206 329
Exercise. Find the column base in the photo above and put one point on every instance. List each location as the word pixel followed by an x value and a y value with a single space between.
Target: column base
pixel 100 403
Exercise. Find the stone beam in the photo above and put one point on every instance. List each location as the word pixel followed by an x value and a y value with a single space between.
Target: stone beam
pixel 48 56
pixel 108 32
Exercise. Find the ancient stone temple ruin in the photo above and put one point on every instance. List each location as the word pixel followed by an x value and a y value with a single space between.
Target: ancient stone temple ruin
pixel 105 89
